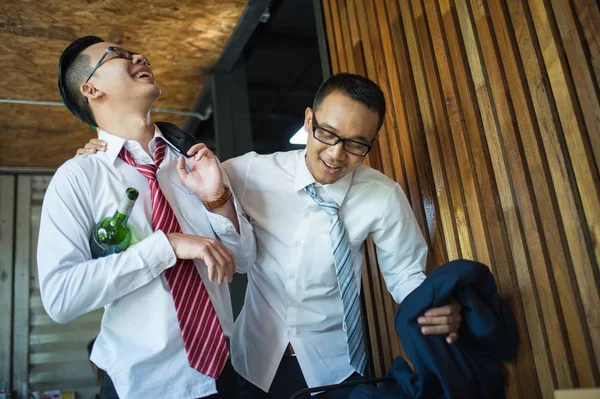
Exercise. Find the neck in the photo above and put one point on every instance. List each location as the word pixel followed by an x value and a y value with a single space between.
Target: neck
pixel 130 126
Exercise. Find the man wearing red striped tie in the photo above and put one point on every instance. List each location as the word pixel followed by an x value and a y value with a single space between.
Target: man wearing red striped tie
pixel 167 311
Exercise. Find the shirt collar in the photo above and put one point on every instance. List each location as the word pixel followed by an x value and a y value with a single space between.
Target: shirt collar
pixel 337 191
pixel 114 144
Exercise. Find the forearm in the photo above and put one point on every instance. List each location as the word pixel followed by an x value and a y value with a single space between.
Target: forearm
pixel 72 285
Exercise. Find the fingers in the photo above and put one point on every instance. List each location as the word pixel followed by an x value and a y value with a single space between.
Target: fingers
pixel 440 329
pixel 95 145
pixel 195 148
pixel 226 267
pixel 220 262
pixel 100 144
pixel 203 153
pixel 92 147
pixel 440 320
pixel 218 258
pixel 212 268
pixel 182 170
pixel 220 269
pixel 444 310
pixel 452 338
pixel 86 150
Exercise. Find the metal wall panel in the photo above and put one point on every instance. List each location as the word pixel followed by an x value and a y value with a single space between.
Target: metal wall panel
pixel 7 204
pixel 58 356
pixel 23 252
pixel 36 354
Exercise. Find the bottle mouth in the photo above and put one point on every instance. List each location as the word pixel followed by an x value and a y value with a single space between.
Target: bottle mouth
pixel 132 193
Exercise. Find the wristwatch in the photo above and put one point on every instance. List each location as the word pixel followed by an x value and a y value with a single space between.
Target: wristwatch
pixel 219 202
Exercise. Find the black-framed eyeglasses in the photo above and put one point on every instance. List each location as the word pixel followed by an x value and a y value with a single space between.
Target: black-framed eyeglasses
pixel 118 53
pixel 326 137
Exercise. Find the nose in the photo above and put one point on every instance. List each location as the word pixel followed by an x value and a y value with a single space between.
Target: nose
pixel 137 58
pixel 337 151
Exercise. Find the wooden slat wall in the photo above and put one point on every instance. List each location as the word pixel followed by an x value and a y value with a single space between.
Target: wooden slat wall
pixel 493 131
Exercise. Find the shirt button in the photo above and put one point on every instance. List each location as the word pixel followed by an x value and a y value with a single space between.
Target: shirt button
pixel 292 276
pixel 298 244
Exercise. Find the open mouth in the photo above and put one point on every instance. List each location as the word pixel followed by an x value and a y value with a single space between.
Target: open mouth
pixel 331 168
pixel 143 74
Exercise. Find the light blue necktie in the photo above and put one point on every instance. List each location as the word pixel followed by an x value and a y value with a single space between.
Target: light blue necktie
pixel 340 243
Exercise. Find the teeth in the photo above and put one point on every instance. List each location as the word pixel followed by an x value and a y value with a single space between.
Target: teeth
pixel 331 166
pixel 143 74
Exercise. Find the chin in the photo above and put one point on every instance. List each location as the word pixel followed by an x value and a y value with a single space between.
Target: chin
pixel 327 179
pixel 156 92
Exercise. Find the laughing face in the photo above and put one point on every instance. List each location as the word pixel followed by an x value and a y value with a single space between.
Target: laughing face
pixel 341 116
pixel 121 74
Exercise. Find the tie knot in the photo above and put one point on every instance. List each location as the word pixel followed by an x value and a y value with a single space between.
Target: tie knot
pixel 330 207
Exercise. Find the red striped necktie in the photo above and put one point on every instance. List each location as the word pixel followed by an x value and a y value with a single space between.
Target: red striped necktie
pixel 202 334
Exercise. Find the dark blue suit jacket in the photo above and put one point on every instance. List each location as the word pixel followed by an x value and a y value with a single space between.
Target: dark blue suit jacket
pixel 469 368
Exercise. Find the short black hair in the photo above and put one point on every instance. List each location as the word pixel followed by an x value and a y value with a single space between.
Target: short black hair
pixel 357 88
pixel 73 69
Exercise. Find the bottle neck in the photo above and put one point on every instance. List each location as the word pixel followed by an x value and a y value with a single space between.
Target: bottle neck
pixel 123 211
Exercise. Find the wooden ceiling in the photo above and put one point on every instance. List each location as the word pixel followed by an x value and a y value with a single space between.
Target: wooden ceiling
pixel 183 40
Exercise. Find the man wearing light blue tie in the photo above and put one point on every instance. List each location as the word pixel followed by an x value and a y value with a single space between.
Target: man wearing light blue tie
pixel 311 210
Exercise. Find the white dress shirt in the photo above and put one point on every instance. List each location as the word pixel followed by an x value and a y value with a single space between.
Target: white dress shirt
pixel 140 344
pixel 293 295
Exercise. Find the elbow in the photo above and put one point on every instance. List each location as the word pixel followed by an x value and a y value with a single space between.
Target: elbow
pixel 57 314
pixel 56 310
pixel 56 307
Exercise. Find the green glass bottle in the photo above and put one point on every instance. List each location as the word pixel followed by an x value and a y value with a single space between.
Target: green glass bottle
pixel 111 235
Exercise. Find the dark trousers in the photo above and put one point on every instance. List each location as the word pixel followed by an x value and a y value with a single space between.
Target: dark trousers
pixel 108 389
pixel 227 385
pixel 288 380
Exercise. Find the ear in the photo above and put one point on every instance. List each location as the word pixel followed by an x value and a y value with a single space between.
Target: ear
pixel 91 92
pixel 308 114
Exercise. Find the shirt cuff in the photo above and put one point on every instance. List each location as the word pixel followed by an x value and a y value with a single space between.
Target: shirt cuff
pixel 220 224
pixel 156 252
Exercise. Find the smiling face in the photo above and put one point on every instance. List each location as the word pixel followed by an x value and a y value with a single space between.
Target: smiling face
pixel 347 119
pixel 120 79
